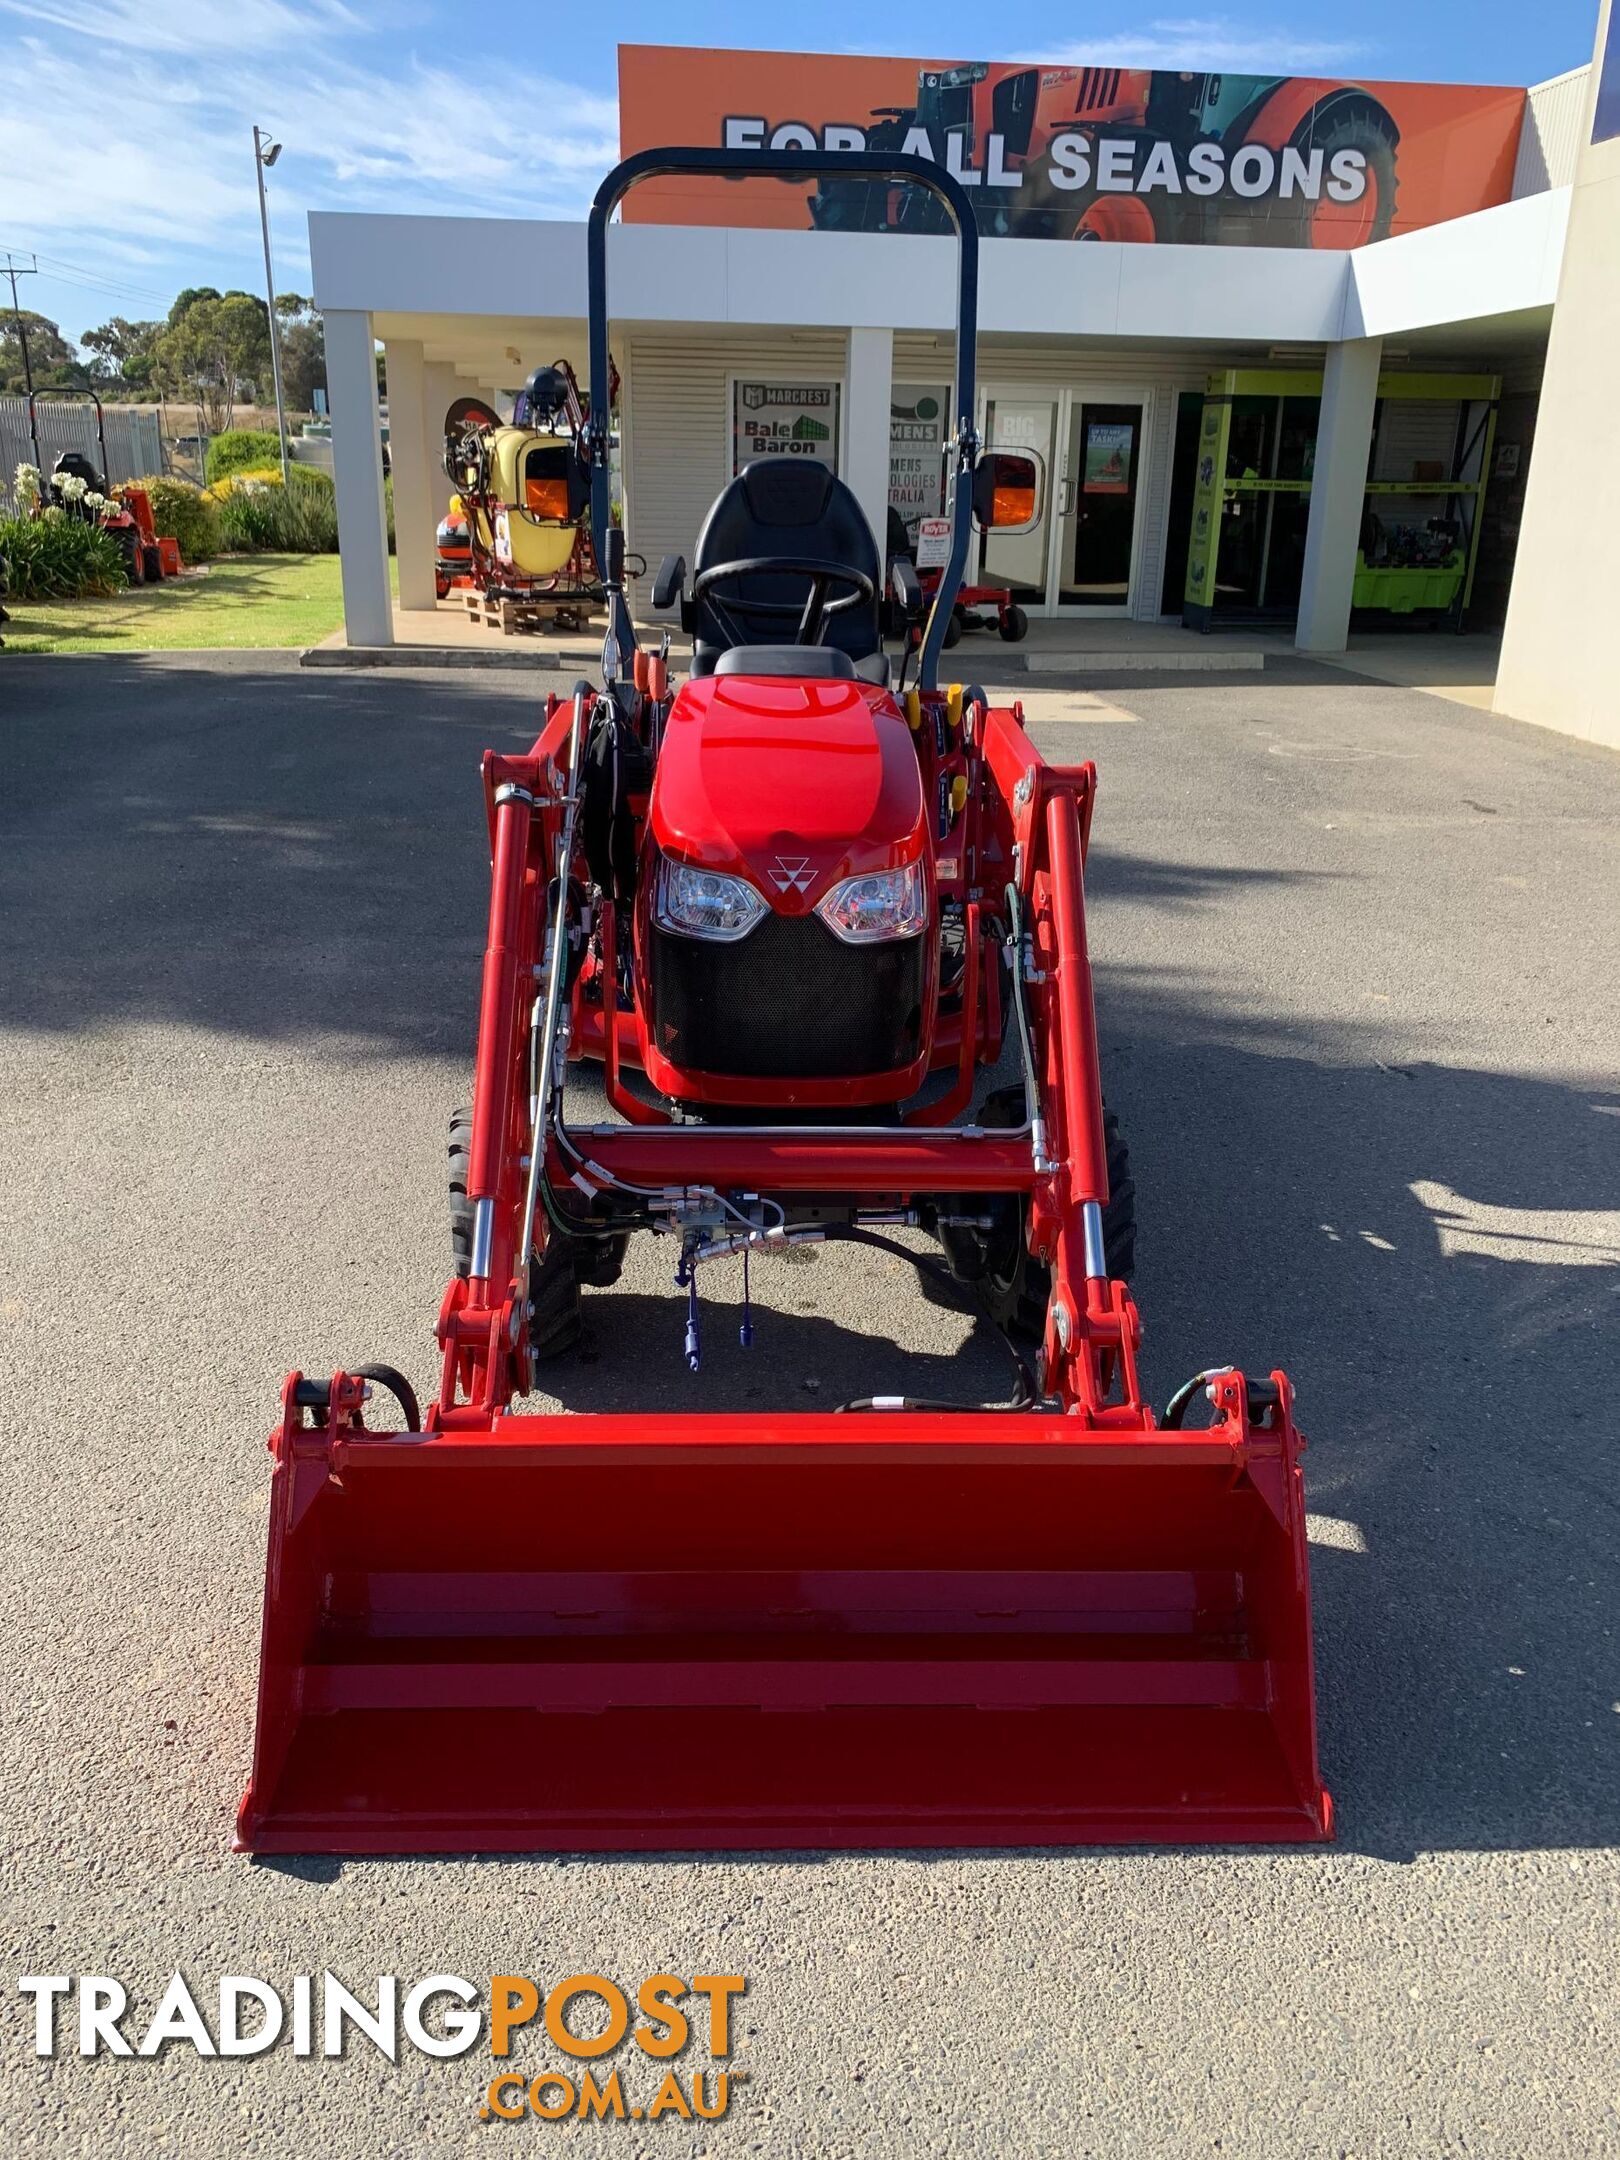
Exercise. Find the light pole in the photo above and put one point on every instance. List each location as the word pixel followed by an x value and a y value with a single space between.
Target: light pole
pixel 265 153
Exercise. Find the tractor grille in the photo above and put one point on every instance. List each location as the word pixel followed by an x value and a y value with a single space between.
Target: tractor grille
pixel 789 1001
pixel 1099 88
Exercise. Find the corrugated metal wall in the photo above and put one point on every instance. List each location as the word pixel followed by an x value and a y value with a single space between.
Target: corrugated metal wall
pixel 1550 140
pixel 678 431
pixel 134 438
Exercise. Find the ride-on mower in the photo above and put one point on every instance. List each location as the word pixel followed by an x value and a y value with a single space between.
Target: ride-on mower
pixel 76 484
pixel 794 910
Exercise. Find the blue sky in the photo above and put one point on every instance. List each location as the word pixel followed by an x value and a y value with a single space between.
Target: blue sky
pixel 125 132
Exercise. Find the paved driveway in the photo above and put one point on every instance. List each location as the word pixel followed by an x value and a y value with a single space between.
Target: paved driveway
pixel 1357 978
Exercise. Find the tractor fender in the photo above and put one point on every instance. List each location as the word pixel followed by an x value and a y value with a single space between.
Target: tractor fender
pixel 1280 116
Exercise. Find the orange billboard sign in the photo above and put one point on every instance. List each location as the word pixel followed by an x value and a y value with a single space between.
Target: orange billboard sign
pixel 1075 153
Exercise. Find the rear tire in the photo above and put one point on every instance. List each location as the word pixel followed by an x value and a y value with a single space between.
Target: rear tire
pixel 953 629
pixel 554 1321
pixel 152 565
pixel 1366 128
pixel 596 1261
pixel 1016 1285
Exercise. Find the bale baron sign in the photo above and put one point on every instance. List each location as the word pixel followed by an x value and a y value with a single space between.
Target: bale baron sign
pixel 1080 153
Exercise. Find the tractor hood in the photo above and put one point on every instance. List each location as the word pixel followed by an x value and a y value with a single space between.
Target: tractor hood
pixel 794 785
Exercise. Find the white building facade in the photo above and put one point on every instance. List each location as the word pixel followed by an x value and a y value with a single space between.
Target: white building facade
pixel 1103 344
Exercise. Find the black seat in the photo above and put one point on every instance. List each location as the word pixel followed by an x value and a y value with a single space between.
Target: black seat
pixel 810 663
pixel 784 506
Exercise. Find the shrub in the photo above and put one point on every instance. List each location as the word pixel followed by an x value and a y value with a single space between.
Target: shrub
pixel 185 512
pixel 57 557
pixel 240 450
pixel 263 514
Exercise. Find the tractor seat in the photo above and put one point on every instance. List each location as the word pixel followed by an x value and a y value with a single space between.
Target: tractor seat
pixel 784 506
pixel 810 663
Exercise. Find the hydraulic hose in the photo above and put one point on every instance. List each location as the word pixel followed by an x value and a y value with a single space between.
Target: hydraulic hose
pixel 1025 1393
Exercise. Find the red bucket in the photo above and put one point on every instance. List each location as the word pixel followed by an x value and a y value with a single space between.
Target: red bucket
pixel 907 1630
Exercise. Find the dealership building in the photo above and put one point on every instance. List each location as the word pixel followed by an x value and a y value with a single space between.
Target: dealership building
pixel 1293 354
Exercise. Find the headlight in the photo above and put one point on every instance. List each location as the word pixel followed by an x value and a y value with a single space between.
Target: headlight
pixel 704 903
pixel 885 904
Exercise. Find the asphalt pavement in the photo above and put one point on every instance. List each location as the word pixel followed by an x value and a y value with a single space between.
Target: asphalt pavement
pixel 1356 968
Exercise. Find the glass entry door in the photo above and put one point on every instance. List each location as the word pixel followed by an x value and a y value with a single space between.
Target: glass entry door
pixel 1097 493
pixel 1080 557
pixel 1020 560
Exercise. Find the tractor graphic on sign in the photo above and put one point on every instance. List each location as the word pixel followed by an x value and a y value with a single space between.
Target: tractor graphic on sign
pixel 1132 154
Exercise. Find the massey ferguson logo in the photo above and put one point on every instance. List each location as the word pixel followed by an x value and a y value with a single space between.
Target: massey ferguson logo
pixel 792 873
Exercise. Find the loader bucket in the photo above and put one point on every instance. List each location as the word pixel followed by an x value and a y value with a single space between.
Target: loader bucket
pixel 905 1630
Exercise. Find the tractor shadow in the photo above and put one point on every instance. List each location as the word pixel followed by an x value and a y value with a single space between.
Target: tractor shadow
pixel 1434 1256
pixel 631 1355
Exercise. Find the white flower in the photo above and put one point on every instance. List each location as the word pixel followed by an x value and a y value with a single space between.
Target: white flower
pixel 26 485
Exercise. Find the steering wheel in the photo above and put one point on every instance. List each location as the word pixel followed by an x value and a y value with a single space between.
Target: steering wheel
pixel 859 590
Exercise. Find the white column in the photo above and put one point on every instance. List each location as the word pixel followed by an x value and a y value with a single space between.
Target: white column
pixel 1338 489
pixel 869 381
pixel 441 386
pixel 351 381
pixel 414 514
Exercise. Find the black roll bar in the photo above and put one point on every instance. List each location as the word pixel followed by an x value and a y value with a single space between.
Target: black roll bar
pixel 101 427
pixel 795 165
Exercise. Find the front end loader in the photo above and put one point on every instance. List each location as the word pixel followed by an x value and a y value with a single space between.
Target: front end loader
pixel 797 913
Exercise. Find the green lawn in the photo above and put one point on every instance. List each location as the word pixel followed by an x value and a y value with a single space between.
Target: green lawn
pixel 243 601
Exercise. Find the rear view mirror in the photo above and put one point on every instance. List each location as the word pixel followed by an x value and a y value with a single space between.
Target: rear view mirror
pixel 1007 491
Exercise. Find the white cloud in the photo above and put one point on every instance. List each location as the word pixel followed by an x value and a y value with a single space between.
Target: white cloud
pixel 168 180
pixel 1208 43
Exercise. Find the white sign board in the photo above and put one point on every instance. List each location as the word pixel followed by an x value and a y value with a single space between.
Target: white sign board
pixel 780 419
pixel 933 543
pixel 916 452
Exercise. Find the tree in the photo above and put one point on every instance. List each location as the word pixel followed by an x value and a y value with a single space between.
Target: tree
pixel 123 353
pixel 183 300
pixel 303 350
pixel 213 348
pixel 51 359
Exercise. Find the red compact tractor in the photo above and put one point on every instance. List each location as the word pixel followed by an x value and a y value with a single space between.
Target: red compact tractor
pixel 795 910
pixel 125 511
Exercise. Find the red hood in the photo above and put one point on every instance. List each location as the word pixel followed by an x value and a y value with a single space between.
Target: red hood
pixel 795 784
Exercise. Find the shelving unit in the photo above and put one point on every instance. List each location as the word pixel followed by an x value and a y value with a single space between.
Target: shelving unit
pixel 1421 523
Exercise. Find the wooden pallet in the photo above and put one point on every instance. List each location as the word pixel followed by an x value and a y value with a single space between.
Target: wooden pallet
pixel 523 618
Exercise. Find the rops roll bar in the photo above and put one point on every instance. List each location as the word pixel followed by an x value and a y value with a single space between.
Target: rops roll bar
pixel 34 397
pixel 795 165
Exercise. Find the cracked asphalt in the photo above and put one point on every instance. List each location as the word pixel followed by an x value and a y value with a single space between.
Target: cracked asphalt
pixel 1357 987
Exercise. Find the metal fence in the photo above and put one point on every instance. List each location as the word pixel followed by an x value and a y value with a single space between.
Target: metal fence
pixel 134 438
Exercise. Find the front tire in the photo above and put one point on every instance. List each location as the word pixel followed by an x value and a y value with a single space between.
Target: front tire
pixel 1013 626
pixel 1018 1287
pixel 555 1275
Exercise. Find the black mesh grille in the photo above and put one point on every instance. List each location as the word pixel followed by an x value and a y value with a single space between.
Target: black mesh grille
pixel 789 1001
